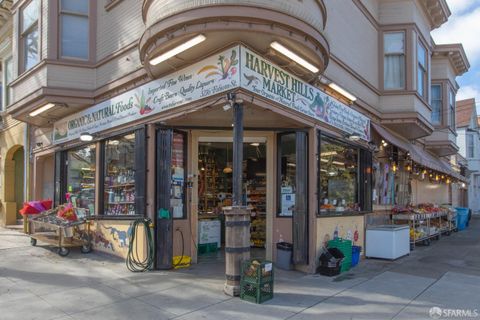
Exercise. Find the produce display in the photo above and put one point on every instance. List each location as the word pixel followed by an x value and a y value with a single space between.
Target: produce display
pixel 426 220
pixel 60 227
pixel 62 216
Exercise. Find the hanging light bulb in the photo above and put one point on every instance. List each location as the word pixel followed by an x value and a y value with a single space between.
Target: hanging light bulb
pixel 448 180
pixel 394 167
pixel 424 171
pixel 437 177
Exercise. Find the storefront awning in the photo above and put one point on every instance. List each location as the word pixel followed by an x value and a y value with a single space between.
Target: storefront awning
pixel 418 154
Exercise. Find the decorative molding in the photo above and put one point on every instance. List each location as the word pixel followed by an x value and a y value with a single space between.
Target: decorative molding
pixel 456 54
pixel 111 4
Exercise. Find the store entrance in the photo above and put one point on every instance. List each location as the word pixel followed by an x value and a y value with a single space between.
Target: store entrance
pixel 215 192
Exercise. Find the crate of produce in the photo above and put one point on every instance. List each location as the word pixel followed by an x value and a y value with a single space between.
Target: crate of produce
pixel 345 246
pixel 256 281
pixel 256 292
pixel 256 271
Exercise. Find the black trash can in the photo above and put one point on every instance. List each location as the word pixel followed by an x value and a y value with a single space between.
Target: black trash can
pixel 330 262
pixel 284 255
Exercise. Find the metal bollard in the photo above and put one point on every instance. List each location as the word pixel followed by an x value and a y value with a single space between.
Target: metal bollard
pixel 237 246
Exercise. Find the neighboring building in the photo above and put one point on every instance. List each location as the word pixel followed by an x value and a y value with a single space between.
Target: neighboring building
pixel 13 133
pixel 468 141
pixel 161 122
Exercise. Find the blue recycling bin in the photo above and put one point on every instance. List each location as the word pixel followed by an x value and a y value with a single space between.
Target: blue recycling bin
pixel 462 218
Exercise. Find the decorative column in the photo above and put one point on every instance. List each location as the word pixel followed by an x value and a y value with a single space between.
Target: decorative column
pixel 237 217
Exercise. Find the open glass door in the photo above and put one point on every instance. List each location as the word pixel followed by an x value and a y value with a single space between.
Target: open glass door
pixel 293 189
pixel 171 191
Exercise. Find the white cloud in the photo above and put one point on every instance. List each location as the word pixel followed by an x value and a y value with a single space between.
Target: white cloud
pixel 467 92
pixel 463 28
pixel 459 6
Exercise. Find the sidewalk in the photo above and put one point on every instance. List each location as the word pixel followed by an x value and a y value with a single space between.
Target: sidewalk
pixel 35 283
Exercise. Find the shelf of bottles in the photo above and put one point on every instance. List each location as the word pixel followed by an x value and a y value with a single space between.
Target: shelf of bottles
pixel 257 202
pixel 120 193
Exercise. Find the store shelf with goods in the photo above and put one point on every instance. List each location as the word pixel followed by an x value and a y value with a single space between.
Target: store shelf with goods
pixel 123 185
pixel 257 203
pixel 426 221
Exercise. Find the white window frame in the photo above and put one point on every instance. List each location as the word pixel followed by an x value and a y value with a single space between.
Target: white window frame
pixel 63 12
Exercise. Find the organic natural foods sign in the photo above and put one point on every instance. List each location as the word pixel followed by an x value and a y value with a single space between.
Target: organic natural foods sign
pixel 213 75
pixel 233 68
pixel 268 80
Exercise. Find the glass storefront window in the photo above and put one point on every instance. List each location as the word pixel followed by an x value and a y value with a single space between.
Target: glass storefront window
pixel 177 195
pixel 287 174
pixel 120 175
pixel 339 168
pixel 81 167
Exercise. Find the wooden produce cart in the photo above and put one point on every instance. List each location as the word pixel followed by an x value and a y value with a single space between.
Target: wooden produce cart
pixel 63 234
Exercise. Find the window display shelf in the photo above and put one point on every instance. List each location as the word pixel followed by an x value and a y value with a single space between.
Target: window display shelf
pixel 131 184
pixel 121 202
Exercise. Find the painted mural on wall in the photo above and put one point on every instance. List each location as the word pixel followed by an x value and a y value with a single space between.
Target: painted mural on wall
pixel 112 238
pixel 206 78
pixel 350 228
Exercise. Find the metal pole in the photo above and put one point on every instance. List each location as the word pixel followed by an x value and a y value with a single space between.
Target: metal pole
pixel 237 154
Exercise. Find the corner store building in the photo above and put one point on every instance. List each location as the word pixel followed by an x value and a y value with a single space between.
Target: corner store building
pixel 118 61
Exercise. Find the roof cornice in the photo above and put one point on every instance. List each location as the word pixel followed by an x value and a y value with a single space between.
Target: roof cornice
pixel 456 54
pixel 437 11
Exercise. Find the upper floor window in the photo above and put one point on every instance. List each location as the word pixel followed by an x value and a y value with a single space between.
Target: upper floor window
pixel 29 35
pixel 437 104
pixel 394 60
pixel 470 146
pixel 7 78
pixel 74 23
pixel 421 70
pixel 451 107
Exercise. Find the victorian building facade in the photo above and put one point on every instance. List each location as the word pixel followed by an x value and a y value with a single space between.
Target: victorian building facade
pixel 129 109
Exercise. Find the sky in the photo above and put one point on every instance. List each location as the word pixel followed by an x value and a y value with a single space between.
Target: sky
pixel 463 26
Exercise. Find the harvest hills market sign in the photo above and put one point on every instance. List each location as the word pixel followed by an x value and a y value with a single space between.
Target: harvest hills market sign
pixel 233 68
pixel 268 80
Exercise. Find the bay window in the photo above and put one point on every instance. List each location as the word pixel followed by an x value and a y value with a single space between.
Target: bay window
pixel 421 70
pixel 394 60
pixel 451 107
pixel 29 35
pixel 74 26
pixel 7 78
pixel 437 104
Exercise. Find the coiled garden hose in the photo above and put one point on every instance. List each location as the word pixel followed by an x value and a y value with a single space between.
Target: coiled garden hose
pixel 135 250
